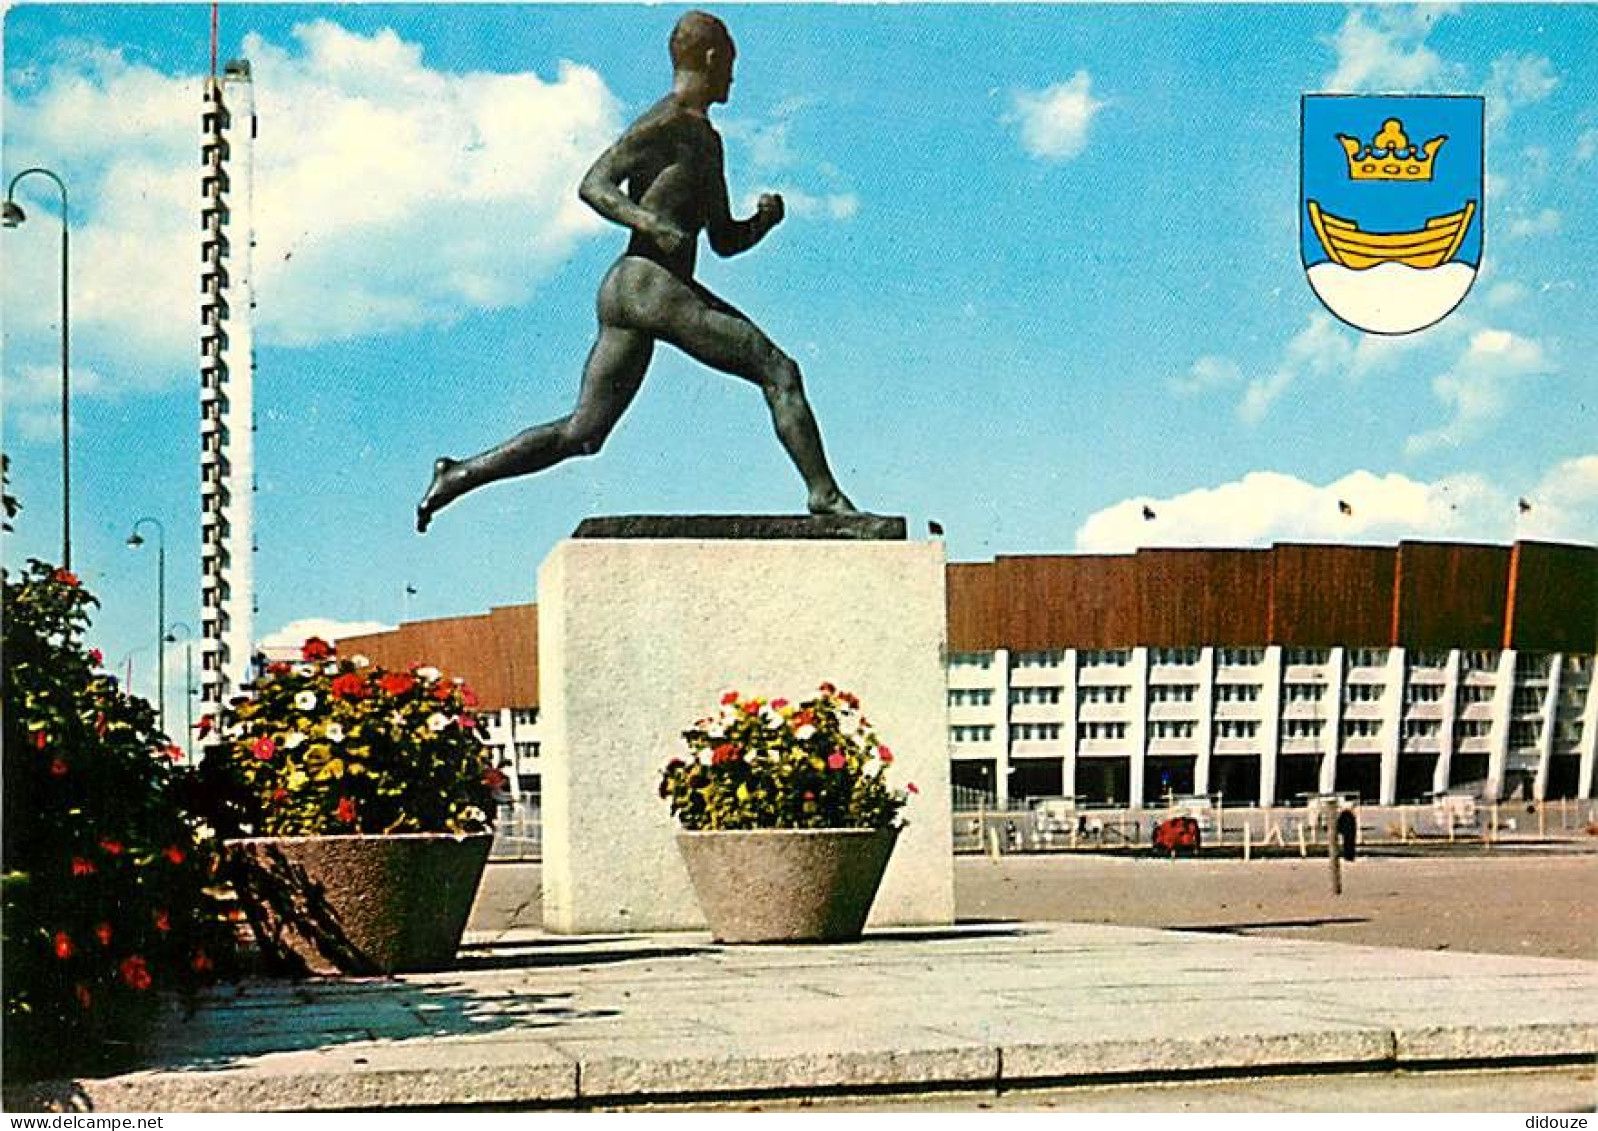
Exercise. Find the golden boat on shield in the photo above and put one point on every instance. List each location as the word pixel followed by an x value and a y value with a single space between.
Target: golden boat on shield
pixel 1431 246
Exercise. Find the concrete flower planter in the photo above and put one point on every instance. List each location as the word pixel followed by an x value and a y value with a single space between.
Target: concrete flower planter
pixel 358 904
pixel 786 885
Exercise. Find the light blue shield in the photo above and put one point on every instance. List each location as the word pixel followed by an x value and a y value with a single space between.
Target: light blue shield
pixel 1391 205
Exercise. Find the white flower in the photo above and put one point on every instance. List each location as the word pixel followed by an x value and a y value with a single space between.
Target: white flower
pixel 437 722
pixel 304 669
pixel 331 667
pixel 361 661
pixel 305 700
pixel 804 733
pixel 427 675
pixel 295 739
pixel 335 733
pixel 475 814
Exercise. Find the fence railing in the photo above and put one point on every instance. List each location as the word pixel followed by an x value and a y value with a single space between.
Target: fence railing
pixel 1057 825
pixel 1051 825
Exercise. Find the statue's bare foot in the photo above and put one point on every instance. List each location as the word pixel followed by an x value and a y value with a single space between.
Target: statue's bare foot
pixel 440 493
pixel 832 501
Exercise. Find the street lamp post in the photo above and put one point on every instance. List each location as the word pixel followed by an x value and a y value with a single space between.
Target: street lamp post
pixel 12 216
pixel 188 682
pixel 135 541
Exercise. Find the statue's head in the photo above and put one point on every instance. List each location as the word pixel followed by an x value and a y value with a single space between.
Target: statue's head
pixel 701 45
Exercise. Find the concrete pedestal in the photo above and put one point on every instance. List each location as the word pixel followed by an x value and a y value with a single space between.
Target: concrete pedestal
pixel 638 638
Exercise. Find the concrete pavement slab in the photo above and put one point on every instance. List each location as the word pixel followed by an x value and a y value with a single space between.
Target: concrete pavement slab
pixel 533 1020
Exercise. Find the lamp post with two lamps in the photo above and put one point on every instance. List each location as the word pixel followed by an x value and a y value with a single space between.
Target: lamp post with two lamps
pixel 12 216
pixel 135 540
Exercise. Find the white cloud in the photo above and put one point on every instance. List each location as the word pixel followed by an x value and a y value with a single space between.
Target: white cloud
pixel 1055 122
pixel 1478 387
pixel 1211 371
pixel 1564 504
pixel 1384 49
pixel 388 194
pixel 765 149
pixel 1543 222
pixel 1321 349
pixel 1268 506
pixel 285 642
pixel 1511 292
pixel 1515 82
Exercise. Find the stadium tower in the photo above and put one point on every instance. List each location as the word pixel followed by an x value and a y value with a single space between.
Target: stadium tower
pixel 227 362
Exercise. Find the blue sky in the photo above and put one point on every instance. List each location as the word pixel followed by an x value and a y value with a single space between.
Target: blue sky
pixel 1041 267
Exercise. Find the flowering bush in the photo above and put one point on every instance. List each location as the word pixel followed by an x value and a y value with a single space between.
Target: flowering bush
pixel 761 764
pixel 332 745
pixel 106 880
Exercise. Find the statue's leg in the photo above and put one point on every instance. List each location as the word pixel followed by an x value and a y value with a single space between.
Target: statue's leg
pixel 615 369
pixel 723 337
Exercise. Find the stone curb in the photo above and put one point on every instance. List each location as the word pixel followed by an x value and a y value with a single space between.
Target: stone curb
pixel 539 1074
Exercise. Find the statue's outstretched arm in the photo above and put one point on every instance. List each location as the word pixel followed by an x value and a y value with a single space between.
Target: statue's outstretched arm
pixel 728 236
pixel 602 189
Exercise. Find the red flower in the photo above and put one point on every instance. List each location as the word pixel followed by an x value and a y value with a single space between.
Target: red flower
pixel 174 752
pixel 349 686
pixel 804 719
pixel 277 667
pixel 835 760
pixel 85 998
pixel 911 786
pixel 809 795
pixel 135 973
pixel 63 946
pixel 778 704
pixel 58 768
pixel 493 778
pixel 466 722
pixel 885 754
pixel 468 697
pixel 729 699
pixel 724 753
pixel 95 657
pixel 82 867
pixel 200 963
pixel 441 690
pixel 827 688
pixel 205 725
pixel 396 683
pixel 280 794
pixel 849 700
pixel 315 649
pixel 163 921
pixel 174 854
pixel 102 931
pixel 65 577
pixel 346 810
pixel 263 748
pixel 112 847
pixel 40 739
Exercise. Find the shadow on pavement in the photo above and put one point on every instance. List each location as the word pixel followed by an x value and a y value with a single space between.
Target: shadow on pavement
pixel 1271 925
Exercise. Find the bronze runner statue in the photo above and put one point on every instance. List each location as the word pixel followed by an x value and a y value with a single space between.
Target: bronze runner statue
pixel 670 161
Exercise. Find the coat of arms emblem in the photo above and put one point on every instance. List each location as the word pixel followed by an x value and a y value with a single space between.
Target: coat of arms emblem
pixel 1390 210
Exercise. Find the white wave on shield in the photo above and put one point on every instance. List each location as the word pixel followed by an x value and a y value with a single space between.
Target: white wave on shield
pixel 1391 298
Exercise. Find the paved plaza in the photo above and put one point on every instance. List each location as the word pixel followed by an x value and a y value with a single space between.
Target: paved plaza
pixel 530 1019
